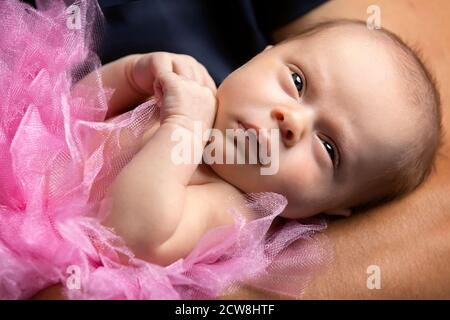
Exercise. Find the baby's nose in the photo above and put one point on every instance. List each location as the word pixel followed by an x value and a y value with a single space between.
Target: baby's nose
pixel 291 124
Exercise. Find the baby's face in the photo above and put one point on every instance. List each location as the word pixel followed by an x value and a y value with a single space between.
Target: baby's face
pixel 341 113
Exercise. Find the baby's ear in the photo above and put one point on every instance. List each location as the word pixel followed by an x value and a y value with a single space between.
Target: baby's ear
pixel 339 212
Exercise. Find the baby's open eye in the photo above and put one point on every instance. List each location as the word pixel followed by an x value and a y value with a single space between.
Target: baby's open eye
pixel 298 81
pixel 332 151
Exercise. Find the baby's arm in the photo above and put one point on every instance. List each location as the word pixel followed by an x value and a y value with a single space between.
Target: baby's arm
pixel 119 75
pixel 149 194
pixel 132 77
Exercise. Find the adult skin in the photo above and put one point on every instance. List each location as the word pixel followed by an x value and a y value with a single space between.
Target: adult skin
pixel 408 239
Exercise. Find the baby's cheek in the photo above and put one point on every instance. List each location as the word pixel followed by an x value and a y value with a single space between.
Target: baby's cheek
pixel 302 166
pixel 303 180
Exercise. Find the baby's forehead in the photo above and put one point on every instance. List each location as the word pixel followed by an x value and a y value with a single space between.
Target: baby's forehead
pixel 345 54
pixel 350 52
pixel 349 34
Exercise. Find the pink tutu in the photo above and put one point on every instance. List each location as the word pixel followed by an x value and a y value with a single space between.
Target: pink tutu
pixel 57 159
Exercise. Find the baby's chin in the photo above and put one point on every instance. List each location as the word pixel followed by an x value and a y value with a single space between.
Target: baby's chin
pixel 292 212
pixel 226 173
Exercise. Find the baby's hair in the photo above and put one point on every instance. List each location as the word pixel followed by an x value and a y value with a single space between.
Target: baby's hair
pixel 416 164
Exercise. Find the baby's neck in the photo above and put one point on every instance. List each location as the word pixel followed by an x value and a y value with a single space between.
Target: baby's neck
pixel 204 175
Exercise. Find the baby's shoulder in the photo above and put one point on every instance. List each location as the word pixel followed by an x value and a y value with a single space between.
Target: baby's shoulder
pixel 205 208
pixel 216 199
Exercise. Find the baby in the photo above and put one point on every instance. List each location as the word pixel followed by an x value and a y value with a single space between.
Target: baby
pixel 357 115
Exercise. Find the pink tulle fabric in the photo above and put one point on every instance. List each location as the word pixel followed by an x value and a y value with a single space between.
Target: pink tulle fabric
pixel 57 158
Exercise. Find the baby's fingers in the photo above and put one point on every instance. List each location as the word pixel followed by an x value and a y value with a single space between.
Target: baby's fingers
pixel 171 86
pixel 147 67
pixel 189 67
pixel 185 70
pixel 168 81
pixel 208 80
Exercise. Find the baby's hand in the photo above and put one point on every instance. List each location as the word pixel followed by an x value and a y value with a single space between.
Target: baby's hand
pixel 147 68
pixel 183 87
pixel 185 101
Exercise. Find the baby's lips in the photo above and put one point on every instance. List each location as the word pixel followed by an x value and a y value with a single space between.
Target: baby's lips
pixel 263 136
pixel 265 140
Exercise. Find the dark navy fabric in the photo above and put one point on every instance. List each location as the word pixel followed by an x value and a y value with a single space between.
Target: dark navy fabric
pixel 221 34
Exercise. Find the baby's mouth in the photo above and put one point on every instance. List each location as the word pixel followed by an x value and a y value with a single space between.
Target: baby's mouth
pixel 262 138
